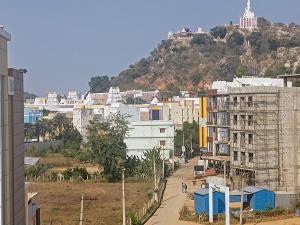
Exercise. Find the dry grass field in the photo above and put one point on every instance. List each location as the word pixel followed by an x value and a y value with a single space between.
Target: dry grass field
pixel 58 163
pixel 60 202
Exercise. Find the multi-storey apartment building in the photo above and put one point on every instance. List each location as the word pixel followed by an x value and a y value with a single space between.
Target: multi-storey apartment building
pixel 265 141
pixel 183 110
pixel 230 139
pixel 12 194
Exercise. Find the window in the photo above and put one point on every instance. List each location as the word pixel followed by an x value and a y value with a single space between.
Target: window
pixel 250 120
pixel 235 118
pixel 250 156
pixel 243 118
pixel 235 156
pixel 242 99
pixel 250 101
pixel 162 130
pixel 250 139
pixel 235 101
pixel 243 157
pixel 243 138
pixel 234 137
pixel 162 143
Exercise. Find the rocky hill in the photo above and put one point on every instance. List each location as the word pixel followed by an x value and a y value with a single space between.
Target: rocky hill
pixel 221 54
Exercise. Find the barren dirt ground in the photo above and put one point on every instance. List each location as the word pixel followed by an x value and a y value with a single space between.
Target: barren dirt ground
pixel 60 202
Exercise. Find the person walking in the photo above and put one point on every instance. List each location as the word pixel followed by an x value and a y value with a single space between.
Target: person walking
pixel 185 188
pixel 182 187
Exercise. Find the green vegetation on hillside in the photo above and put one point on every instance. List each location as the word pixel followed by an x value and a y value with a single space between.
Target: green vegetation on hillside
pixel 221 54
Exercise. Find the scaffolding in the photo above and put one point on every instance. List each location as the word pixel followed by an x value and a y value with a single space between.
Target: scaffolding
pixel 257 117
pixel 264 131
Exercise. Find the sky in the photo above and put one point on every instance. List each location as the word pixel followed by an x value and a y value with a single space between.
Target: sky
pixel 63 43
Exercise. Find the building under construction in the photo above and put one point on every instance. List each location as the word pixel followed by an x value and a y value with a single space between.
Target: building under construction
pixel 254 130
pixel 264 136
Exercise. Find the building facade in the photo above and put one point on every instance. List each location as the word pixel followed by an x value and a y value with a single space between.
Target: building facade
pixel 32 116
pixel 145 135
pixel 265 126
pixel 81 120
pixel 224 129
pixel 12 190
pixel 183 110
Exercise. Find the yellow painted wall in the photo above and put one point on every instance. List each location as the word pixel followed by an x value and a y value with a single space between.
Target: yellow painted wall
pixel 203 122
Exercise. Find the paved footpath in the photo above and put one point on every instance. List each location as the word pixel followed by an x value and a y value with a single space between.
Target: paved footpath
pixel 173 200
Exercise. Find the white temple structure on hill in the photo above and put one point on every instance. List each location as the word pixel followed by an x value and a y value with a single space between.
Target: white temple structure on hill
pixel 248 20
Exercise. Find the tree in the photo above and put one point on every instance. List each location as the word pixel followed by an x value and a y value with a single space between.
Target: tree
pixel 31 131
pixel 202 39
pixel 263 22
pixel 106 140
pixel 134 101
pixel 60 123
pixel 241 71
pixel 45 128
pixel 72 138
pixel 235 39
pixel 148 161
pixel 100 84
pixel 191 135
pixel 219 32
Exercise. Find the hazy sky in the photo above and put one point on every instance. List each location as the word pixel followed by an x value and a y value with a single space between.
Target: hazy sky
pixel 63 43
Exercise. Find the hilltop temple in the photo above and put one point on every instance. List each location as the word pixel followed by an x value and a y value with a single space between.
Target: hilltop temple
pixel 184 34
pixel 248 20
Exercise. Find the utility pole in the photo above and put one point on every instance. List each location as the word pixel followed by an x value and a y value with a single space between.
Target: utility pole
pixel 123 196
pixel 191 146
pixel 81 211
pixel 163 162
pixel 154 172
pixel 242 201
pixel 173 152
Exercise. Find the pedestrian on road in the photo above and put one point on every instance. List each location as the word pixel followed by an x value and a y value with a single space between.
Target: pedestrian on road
pixel 185 188
pixel 182 187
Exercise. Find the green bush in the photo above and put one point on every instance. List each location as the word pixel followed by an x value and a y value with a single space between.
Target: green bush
pixel 76 173
pixel 135 220
pixel 270 213
pixel 35 171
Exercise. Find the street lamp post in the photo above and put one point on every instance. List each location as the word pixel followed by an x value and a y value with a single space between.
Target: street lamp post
pixel 154 173
pixel 163 161
pixel 123 196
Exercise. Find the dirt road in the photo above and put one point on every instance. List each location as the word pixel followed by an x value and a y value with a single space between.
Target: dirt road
pixel 173 201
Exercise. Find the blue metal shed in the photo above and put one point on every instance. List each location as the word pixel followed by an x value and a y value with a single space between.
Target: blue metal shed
pixel 235 196
pixel 260 198
pixel 201 202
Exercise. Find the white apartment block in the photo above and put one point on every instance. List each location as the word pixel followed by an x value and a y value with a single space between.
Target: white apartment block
pixel 145 135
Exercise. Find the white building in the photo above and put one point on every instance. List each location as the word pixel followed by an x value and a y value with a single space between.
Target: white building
pixel 52 98
pixel 145 135
pixel 248 20
pixel 114 95
pixel 185 34
pixel 222 86
pixel 81 119
pixel 72 99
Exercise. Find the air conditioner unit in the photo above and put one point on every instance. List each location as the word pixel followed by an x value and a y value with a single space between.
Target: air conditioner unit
pixel 11 86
